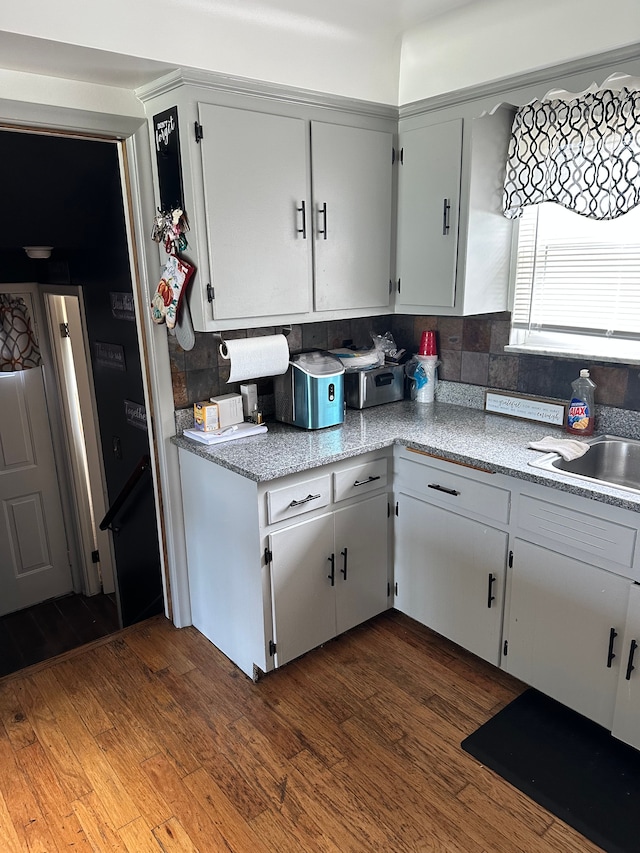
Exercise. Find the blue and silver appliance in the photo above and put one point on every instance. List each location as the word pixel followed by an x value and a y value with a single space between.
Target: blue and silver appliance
pixel 311 393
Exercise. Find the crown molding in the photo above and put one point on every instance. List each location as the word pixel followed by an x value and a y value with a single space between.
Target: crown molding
pixel 547 75
pixel 216 82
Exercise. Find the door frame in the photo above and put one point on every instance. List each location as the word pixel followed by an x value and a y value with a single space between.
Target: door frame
pixel 132 131
pixel 96 575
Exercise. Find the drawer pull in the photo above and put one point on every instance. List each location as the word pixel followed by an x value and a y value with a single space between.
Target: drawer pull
pixel 305 500
pixel 610 655
pixel 364 482
pixel 332 573
pixel 630 666
pixel 490 596
pixel 443 489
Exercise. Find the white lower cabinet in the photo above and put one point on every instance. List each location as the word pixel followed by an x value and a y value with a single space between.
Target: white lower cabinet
pixel 572 618
pixel 565 626
pixel 328 574
pixel 280 567
pixel 449 574
pixel 450 568
pixel 626 717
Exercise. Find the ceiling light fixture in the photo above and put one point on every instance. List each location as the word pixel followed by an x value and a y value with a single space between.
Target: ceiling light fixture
pixel 38 251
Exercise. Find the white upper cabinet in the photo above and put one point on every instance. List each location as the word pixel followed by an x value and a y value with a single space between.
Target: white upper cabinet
pixel 352 209
pixel 256 183
pixel 454 244
pixel 428 207
pixel 291 216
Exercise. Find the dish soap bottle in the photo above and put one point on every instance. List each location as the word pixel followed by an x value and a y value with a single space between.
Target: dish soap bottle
pixel 580 417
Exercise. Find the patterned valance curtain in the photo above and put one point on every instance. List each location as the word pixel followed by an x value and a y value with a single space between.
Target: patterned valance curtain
pixel 583 154
pixel 18 346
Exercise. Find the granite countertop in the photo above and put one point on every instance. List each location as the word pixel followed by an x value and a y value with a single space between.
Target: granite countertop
pixel 461 434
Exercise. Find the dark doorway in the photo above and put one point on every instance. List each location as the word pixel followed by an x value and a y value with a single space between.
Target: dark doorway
pixel 66 192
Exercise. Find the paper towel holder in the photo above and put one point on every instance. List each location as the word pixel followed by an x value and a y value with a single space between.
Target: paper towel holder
pixel 284 330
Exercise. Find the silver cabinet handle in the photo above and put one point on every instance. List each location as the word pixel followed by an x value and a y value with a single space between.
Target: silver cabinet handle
pixel 305 500
pixel 364 482
pixel 322 211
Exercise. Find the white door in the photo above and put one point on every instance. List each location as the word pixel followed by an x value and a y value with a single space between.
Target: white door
pixel 34 561
pixel 352 199
pixel 450 575
pixel 428 203
pixel 255 186
pixel 361 541
pixel 566 620
pixel 304 594
pixel 626 718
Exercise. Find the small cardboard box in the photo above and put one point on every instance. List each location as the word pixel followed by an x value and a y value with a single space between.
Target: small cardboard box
pixel 229 409
pixel 205 416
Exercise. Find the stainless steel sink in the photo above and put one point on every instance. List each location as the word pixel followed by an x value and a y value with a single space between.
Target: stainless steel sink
pixel 610 460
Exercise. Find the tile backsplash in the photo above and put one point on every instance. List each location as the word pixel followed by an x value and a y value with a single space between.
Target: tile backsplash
pixel 471 351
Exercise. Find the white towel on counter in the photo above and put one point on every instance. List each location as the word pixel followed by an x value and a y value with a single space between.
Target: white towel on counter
pixel 568 448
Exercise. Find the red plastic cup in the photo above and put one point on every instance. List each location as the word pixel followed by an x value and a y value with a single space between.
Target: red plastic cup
pixel 428 344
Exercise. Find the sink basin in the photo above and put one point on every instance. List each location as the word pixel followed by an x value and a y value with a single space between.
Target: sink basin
pixel 610 460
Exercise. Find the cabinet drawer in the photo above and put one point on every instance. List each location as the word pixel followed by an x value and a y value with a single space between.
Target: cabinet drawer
pixel 450 487
pixel 360 479
pixel 578 531
pixel 297 499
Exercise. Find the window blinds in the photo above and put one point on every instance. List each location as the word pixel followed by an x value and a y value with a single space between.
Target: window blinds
pixel 574 278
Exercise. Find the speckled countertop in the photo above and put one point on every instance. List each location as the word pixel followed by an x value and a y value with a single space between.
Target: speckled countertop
pixel 454 432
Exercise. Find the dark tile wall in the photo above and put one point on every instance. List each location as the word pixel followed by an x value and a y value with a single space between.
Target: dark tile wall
pixel 471 350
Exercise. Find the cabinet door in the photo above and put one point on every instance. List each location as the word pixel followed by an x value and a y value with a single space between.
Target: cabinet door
pixel 626 718
pixel 428 207
pixel 352 201
pixel 450 574
pixel 561 614
pixel 304 596
pixel 256 182
pixel 361 542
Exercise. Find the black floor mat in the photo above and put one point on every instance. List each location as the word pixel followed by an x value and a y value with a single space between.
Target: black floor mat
pixel 569 765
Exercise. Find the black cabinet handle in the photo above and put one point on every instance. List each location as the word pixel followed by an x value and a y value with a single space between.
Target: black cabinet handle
pixel 446 210
pixel 443 489
pixel 610 655
pixel 303 211
pixel 332 573
pixel 490 596
pixel 322 211
pixel 364 482
pixel 344 563
pixel 305 500
pixel 630 666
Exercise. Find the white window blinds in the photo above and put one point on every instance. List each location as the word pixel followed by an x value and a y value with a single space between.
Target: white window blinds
pixel 576 275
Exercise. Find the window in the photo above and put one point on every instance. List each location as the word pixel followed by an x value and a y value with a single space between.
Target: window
pixel 577 284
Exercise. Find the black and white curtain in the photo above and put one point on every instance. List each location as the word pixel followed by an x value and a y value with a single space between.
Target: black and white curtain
pixel 582 153
pixel 18 345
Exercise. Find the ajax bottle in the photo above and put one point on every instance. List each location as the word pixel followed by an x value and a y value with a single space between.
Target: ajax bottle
pixel 580 417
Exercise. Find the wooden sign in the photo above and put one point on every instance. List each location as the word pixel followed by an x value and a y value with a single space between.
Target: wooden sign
pixel 527 408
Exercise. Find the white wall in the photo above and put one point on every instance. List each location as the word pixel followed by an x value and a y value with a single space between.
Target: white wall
pixel 354 59
pixel 20 87
pixel 500 38
pixel 359 55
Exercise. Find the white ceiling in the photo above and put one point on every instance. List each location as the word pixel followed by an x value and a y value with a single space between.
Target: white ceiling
pixel 337 19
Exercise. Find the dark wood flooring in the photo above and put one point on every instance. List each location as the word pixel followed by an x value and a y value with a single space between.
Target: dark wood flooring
pixel 45 630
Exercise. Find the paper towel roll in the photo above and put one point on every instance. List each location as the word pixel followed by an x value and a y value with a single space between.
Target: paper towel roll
pixel 252 358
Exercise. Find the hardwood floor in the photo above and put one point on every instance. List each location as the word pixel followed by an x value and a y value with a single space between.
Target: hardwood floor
pixel 45 630
pixel 151 740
